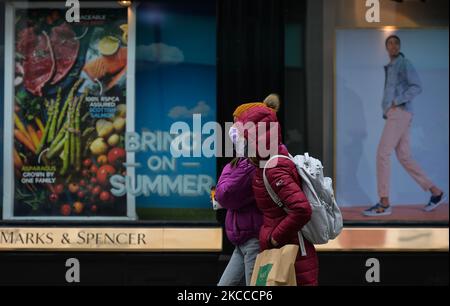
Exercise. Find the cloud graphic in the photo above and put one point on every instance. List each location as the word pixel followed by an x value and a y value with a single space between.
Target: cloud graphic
pixel 182 112
pixel 161 53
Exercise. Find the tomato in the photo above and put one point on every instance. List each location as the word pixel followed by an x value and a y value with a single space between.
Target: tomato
pixel 81 194
pixel 87 162
pixel 55 15
pixel 85 173
pixel 93 169
pixel 93 180
pixel 73 187
pixel 82 183
pixel 116 155
pixel 104 172
pixel 102 159
pixel 59 188
pixel 96 190
pixel 78 207
pixel 112 200
pixel 53 198
pixel 65 210
pixel 94 208
pixel 105 196
pixel 49 20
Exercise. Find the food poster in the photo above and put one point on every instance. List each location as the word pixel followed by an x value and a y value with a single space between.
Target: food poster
pixel 69 112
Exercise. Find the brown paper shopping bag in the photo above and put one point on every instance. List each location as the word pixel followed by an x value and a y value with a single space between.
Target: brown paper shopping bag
pixel 275 267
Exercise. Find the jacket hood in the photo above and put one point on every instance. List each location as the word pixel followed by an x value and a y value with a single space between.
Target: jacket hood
pixel 261 129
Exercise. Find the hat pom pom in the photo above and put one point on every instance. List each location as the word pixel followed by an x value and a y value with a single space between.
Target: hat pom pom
pixel 272 101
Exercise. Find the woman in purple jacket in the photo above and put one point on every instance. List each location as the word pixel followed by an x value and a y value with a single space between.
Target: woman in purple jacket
pixel 243 221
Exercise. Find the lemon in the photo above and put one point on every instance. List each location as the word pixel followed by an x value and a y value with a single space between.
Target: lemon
pixel 108 45
pixel 124 38
pixel 124 28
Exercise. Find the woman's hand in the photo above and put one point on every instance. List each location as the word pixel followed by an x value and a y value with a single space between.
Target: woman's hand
pixel 273 242
pixel 393 105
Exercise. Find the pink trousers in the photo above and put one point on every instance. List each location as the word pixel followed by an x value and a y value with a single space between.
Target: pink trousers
pixel 396 137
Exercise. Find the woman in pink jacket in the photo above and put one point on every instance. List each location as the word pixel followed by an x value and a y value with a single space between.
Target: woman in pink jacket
pixel 279 227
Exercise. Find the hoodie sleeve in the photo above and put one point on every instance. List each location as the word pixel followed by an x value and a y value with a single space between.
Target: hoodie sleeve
pixel 299 210
pixel 234 189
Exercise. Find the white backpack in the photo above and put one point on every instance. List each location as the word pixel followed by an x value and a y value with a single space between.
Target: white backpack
pixel 326 219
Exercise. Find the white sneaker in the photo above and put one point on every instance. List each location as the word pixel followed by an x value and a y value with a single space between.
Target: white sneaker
pixel 435 202
pixel 378 210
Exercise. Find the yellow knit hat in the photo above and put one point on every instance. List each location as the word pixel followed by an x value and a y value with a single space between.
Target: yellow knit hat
pixel 242 108
pixel 272 102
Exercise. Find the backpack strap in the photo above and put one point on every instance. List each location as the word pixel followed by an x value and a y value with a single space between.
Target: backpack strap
pixel 269 189
pixel 280 204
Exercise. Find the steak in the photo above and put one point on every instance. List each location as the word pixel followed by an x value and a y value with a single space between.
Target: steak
pixel 38 63
pixel 65 49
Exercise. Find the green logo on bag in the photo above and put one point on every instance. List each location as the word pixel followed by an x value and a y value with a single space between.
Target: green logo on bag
pixel 263 273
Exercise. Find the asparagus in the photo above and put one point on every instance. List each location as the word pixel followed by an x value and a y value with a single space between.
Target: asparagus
pixel 69 99
pixel 61 134
pixel 65 155
pixel 57 148
pixel 47 128
pixel 85 117
pixel 72 130
pixel 52 132
pixel 77 138
pixel 87 131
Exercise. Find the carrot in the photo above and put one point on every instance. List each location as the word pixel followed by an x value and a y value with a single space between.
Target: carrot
pixel 24 140
pixel 21 127
pixel 51 188
pixel 39 134
pixel 39 124
pixel 33 187
pixel 29 187
pixel 17 160
pixel 34 137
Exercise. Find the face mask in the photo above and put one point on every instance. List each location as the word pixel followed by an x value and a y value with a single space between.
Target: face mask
pixel 238 141
pixel 234 134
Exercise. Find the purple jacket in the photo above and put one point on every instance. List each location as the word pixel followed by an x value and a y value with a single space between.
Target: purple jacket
pixel 234 192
